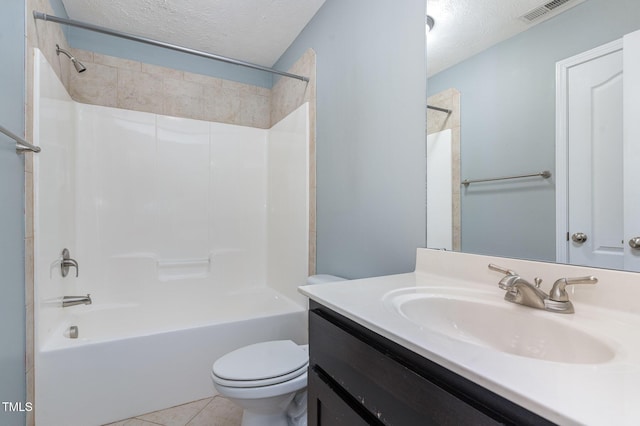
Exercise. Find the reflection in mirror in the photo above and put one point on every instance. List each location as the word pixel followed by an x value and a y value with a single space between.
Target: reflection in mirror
pixel 506 119
pixel 443 170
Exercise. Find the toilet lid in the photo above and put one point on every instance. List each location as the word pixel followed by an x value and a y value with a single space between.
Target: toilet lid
pixel 262 361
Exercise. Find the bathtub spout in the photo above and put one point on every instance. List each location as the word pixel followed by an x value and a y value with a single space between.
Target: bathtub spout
pixel 76 300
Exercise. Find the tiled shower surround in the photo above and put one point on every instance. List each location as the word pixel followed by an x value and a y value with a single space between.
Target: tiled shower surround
pixel 147 87
pixel 133 85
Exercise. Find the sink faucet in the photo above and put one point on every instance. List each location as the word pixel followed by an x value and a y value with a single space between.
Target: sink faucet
pixel 519 290
pixel 522 292
pixel 76 300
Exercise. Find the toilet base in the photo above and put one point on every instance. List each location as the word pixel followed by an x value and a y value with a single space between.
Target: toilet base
pixel 265 411
pixel 259 419
pixel 282 410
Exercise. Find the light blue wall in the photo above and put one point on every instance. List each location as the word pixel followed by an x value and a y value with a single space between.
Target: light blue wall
pixel 371 125
pixel 508 126
pixel 12 249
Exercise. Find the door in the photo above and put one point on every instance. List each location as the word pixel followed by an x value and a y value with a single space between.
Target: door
pixel 631 150
pixel 595 161
pixel 596 106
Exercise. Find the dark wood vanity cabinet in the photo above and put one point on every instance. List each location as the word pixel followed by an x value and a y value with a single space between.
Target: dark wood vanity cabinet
pixel 357 377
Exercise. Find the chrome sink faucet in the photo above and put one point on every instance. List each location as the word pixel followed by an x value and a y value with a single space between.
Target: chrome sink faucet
pixel 522 292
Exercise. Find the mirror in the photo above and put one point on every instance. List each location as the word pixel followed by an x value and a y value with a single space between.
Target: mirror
pixel 507 115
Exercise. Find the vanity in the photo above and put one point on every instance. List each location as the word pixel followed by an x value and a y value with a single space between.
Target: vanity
pixel 442 346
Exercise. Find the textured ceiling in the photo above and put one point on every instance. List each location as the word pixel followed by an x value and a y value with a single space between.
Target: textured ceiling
pixel 466 27
pixel 257 31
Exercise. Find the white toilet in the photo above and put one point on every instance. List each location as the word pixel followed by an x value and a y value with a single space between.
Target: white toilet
pixel 268 379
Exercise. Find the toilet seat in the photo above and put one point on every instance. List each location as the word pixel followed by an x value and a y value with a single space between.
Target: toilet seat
pixel 294 385
pixel 262 382
pixel 261 364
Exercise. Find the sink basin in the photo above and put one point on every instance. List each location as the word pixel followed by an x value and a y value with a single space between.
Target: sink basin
pixel 517 330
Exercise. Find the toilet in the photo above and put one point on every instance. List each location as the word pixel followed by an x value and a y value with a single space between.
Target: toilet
pixel 268 380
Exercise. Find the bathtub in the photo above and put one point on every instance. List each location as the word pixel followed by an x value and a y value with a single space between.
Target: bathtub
pixel 131 359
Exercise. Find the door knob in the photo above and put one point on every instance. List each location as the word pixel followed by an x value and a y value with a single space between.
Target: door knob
pixel 635 243
pixel 580 238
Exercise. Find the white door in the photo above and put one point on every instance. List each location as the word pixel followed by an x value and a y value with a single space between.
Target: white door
pixel 597 123
pixel 631 150
pixel 595 162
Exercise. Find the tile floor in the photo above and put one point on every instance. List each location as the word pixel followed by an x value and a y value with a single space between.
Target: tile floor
pixel 216 411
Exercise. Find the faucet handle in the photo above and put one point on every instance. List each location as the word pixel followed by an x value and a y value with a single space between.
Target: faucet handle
pixel 505 271
pixel 558 291
pixel 67 262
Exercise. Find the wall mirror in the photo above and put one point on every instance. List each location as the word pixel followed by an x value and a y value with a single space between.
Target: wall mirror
pixel 499 79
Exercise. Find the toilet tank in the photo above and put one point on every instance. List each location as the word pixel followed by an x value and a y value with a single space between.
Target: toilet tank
pixel 323 278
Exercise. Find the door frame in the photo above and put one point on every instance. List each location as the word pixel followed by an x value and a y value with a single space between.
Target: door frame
pixel 562 142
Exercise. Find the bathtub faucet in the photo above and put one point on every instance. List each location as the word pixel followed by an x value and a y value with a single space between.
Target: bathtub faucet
pixel 76 300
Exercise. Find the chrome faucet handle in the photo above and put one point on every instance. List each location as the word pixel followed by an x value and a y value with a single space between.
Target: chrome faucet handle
pixel 505 271
pixel 67 262
pixel 558 291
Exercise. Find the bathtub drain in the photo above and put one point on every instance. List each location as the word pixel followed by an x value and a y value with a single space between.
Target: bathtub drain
pixel 72 333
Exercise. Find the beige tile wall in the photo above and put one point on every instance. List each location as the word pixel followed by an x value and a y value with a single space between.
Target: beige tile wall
pixel 122 83
pixel 436 122
pixel 287 95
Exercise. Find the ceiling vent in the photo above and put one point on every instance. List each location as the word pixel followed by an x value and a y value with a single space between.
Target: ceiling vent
pixel 548 10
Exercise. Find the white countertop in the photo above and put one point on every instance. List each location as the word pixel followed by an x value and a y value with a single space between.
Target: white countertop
pixel 603 393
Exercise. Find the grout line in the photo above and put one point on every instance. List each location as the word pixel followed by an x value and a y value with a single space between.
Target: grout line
pixel 146 421
pixel 139 417
pixel 201 410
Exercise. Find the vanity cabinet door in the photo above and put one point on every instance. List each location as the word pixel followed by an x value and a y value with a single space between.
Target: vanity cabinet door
pixel 326 407
pixel 388 391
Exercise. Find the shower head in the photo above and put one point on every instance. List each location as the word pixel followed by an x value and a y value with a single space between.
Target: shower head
pixel 76 63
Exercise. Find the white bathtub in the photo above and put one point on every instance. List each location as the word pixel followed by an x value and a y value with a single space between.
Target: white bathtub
pixel 131 359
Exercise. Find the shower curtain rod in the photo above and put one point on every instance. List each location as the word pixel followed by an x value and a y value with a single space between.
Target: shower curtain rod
pixel 21 144
pixel 103 30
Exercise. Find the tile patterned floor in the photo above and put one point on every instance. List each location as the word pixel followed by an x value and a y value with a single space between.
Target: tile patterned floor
pixel 216 411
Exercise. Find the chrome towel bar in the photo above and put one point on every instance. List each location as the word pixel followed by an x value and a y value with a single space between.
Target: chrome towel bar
pixel 21 144
pixel 545 174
